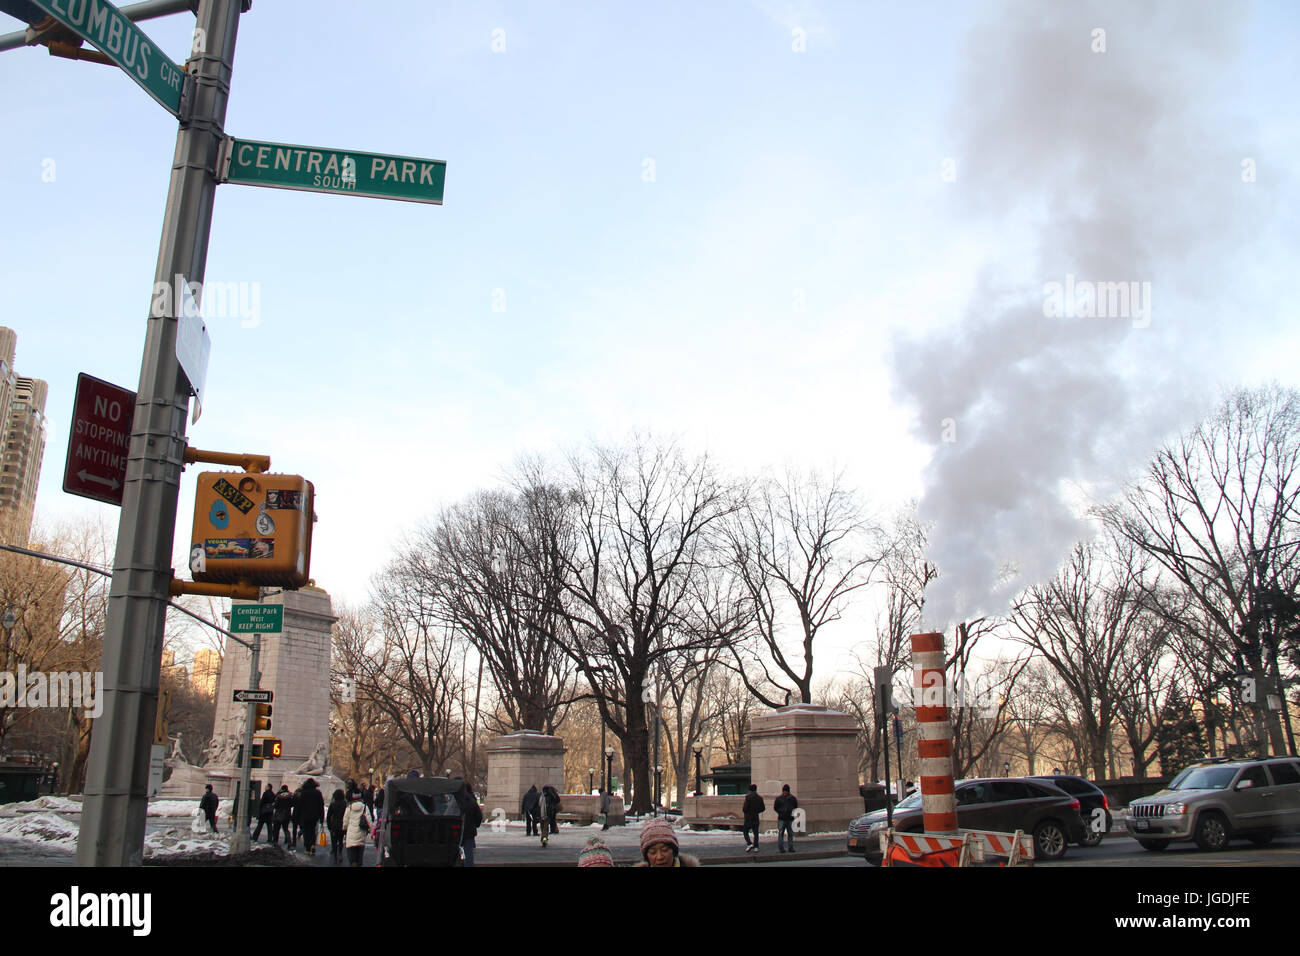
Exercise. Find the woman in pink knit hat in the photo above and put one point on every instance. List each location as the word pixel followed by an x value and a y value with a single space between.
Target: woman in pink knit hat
pixel 659 846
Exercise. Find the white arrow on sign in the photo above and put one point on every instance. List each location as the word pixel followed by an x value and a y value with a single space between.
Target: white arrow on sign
pixel 254 696
pixel 106 482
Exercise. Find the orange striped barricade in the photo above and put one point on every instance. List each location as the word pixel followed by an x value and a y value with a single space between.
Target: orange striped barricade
pixel 964 848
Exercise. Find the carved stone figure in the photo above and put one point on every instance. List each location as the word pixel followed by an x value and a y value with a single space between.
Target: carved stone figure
pixel 315 764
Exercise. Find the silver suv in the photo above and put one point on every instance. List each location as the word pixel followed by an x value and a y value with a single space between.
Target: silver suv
pixel 1215 801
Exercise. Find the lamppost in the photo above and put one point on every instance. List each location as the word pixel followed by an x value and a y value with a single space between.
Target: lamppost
pixel 609 768
pixel 659 771
pixel 698 750
pixel 591 779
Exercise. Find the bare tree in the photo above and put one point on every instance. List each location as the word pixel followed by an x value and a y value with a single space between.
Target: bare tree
pixel 1218 510
pixel 1089 623
pixel 412 673
pixel 646 518
pixel 488 563
pixel 802 546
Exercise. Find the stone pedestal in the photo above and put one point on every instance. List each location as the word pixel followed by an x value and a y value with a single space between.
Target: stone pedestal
pixel 814 750
pixel 518 761
pixel 295 665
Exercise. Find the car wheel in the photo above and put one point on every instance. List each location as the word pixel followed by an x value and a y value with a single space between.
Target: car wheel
pixel 1091 837
pixel 1049 840
pixel 1262 839
pixel 1212 832
pixel 1154 845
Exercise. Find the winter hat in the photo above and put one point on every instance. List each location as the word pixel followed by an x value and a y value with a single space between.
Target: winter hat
pixel 786 788
pixel 657 831
pixel 595 853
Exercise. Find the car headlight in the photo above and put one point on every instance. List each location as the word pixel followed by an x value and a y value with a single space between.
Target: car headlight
pixel 1175 809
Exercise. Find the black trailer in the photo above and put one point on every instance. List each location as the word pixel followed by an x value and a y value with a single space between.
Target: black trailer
pixel 423 822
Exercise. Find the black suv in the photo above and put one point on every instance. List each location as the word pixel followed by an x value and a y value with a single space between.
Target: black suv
pixel 1093 805
pixel 998 804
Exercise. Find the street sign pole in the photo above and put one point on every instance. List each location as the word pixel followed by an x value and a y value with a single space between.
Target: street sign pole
pixel 239 842
pixel 117 775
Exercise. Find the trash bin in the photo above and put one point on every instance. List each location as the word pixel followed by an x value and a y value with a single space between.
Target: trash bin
pixel 422 822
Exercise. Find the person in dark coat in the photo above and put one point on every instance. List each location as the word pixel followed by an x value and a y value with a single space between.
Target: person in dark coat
pixel 379 803
pixel 754 805
pixel 604 808
pixel 473 819
pixel 368 797
pixel 295 819
pixel 785 806
pixel 208 804
pixel 549 807
pixel 264 813
pixel 311 811
pixel 334 823
pixel 281 815
pixel 530 807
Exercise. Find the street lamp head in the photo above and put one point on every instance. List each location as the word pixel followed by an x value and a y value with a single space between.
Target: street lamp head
pixel 609 751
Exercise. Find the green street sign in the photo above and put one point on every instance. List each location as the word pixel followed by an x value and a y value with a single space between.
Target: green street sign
pixel 256 618
pixel 124 43
pixel 338 172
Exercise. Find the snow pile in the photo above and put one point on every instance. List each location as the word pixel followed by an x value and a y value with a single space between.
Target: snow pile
pixel 46 804
pixel 184 809
pixel 175 841
pixel 46 828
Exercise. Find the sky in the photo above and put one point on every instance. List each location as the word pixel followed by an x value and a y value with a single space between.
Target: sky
pixel 812 234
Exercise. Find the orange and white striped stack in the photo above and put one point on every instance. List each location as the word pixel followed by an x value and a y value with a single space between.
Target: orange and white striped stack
pixel 934 740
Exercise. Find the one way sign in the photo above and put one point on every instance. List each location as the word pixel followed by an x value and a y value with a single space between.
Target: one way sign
pixel 98 440
pixel 253 697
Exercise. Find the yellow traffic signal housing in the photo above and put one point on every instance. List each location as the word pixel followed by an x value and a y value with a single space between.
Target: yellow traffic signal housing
pixel 252 527
pixel 262 719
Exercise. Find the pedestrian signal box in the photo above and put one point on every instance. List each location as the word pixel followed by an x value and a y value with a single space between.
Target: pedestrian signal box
pixel 272 748
pixel 252 527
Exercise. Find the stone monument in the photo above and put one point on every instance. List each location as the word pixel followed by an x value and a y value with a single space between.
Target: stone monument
pixel 295 666
pixel 518 761
pixel 815 750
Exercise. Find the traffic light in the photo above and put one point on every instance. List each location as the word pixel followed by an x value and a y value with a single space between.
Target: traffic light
pixel 252 527
pixel 262 718
pixel 272 748
pixel 255 760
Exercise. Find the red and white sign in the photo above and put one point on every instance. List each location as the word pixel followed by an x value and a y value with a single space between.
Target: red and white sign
pixel 98 440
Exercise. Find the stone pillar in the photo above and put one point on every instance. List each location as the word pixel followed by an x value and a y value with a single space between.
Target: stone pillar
pixel 516 762
pixel 814 750
pixel 295 666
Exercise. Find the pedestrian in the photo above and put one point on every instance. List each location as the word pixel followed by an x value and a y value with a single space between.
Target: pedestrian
pixel 334 823
pixel 544 812
pixel 659 846
pixel 473 819
pixel 550 827
pixel 785 806
pixel 595 853
pixel 311 811
pixel 295 819
pixel 379 804
pixel 754 805
pixel 264 812
pixel 604 808
pixel 208 804
pixel 528 806
pixel 356 826
pixel 368 798
pixel 281 815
